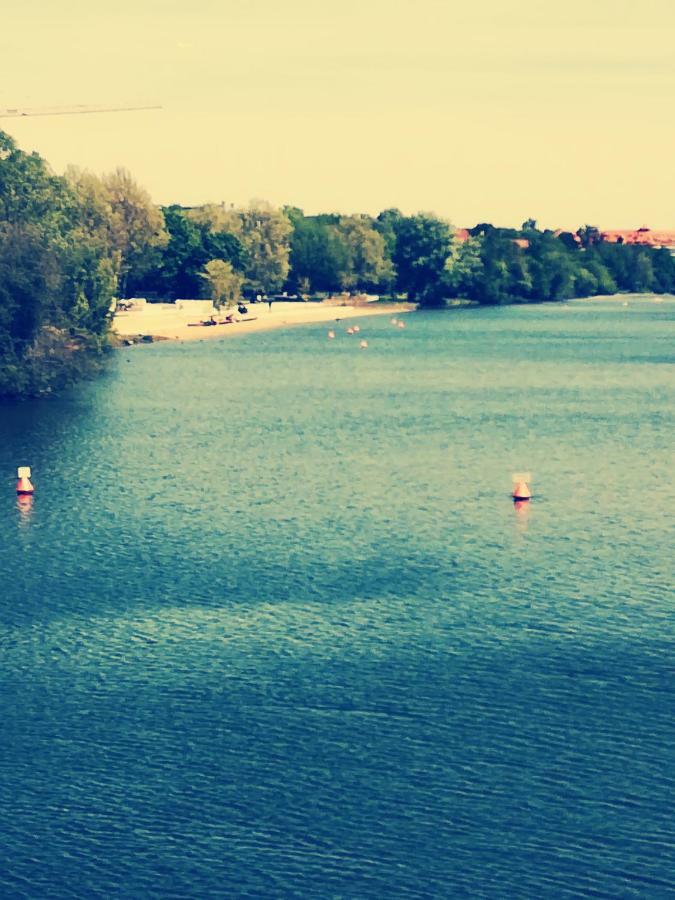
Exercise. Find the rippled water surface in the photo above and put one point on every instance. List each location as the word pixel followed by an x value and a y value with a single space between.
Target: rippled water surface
pixel 272 626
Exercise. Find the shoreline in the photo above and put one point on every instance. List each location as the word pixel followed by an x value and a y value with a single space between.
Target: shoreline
pixel 161 323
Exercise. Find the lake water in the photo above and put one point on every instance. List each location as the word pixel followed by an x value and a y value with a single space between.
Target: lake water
pixel 272 626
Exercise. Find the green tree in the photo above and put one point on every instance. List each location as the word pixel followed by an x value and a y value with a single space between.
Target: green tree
pixel 265 236
pixel 30 192
pixel 136 226
pixel 368 266
pixel 94 214
pixel 422 248
pixel 266 239
pixel 178 270
pixel 464 268
pixel 56 274
pixel 588 236
pixel 224 283
pixel 495 283
pixel 319 256
pixel 387 223
pixel 94 265
pixel 605 283
pixel 642 269
pixel 585 283
pixel 663 264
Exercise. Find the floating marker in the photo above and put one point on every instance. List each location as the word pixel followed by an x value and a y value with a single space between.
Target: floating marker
pixel 23 485
pixel 521 487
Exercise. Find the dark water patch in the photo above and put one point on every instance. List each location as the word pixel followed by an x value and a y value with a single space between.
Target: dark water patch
pixel 412 760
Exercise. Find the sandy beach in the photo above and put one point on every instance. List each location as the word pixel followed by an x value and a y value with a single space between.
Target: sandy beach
pixel 163 321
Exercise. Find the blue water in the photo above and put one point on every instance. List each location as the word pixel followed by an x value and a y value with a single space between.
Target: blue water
pixel 272 626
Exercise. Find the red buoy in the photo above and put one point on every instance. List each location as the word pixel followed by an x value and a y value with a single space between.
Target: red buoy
pixel 521 492
pixel 23 485
pixel 521 487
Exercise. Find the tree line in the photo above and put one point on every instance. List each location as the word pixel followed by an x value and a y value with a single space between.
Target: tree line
pixel 217 251
pixel 71 244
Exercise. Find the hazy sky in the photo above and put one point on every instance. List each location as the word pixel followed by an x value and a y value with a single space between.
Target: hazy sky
pixel 483 110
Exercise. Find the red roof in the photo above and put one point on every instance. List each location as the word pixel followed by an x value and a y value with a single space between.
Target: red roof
pixel 643 236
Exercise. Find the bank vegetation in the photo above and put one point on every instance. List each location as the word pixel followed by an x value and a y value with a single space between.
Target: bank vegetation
pixel 73 245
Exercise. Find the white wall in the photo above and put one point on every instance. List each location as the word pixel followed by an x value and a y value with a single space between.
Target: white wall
pixel 195 307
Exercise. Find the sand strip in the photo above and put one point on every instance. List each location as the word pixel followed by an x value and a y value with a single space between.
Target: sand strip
pixel 164 321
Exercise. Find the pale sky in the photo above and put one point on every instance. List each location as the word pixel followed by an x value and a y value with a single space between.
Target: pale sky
pixel 483 110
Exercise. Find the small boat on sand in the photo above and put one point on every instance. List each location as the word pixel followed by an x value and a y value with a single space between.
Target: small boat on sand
pixel 208 323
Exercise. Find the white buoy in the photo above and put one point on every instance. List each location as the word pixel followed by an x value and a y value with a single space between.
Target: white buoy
pixel 331 335
pixel 363 345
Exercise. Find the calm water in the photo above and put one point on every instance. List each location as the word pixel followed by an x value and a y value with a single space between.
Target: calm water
pixel 273 628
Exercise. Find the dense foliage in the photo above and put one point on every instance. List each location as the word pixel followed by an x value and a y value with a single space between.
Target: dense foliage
pixel 498 265
pixel 66 244
pixel 70 244
pixel 417 256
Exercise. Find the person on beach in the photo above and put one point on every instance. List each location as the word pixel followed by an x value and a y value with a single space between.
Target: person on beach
pixel 269 303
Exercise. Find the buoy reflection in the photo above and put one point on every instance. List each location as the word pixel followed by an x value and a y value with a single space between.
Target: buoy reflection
pixel 522 508
pixel 24 503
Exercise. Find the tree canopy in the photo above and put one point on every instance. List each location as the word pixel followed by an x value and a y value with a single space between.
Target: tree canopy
pixel 58 273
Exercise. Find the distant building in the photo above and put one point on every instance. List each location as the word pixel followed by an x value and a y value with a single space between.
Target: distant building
pixel 462 235
pixel 644 237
